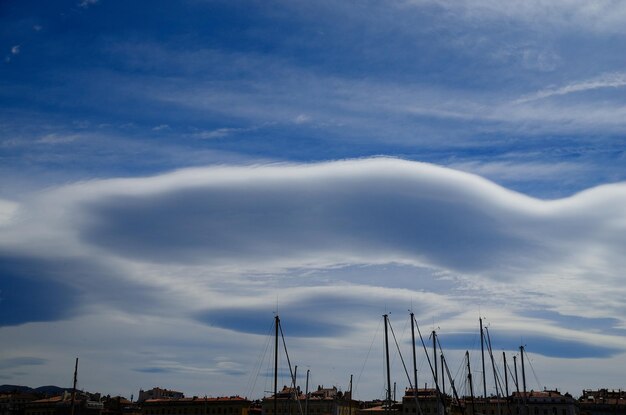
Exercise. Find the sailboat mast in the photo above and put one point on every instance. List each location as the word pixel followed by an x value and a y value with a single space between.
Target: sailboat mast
pixel 435 357
pixel 471 384
pixel 387 360
pixel 306 392
pixel 493 363
pixel 414 356
pixel 295 378
pixel 417 405
pixel 443 375
pixel 350 386
pixel 506 375
pixel 435 373
pixel 516 379
pixel 276 323
pixel 74 386
pixel 521 350
pixel 445 365
pixel 482 352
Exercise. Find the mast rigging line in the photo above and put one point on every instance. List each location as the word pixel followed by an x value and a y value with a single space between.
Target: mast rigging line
pixel 368 354
pixel 511 374
pixel 533 370
pixel 417 403
pixel 251 385
pixel 293 378
pixel 495 371
pixel 404 366
pixel 429 364
pixel 400 354
pixel 445 365
pixel 496 374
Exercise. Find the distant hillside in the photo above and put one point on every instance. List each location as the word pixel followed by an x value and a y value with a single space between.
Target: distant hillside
pixel 14 388
pixel 49 390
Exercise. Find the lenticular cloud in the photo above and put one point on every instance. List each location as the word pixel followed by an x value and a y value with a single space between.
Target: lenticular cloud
pixel 350 212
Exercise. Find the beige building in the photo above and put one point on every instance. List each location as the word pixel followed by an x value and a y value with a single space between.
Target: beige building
pixel 233 405
pixel 62 405
pixel 427 402
pixel 531 403
pixel 323 401
pixel 14 403
pixel 602 402
pixel 158 393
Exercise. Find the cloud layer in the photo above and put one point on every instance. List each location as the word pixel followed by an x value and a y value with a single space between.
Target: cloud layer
pixel 214 243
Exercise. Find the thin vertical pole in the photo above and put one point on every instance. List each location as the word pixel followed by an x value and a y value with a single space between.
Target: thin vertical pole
pixel 295 377
pixel 443 376
pixel 469 378
pixel 295 393
pixel 351 398
pixel 414 357
pixel 417 405
pixel 506 375
pixel 516 379
pixel 276 323
pixel 306 402
pixel 350 386
pixel 435 374
pixel 493 363
pixel 435 356
pixel 482 352
pixel 387 360
pixel 74 386
pixel 521 349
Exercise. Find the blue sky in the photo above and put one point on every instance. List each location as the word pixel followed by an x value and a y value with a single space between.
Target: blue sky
pixel 173 173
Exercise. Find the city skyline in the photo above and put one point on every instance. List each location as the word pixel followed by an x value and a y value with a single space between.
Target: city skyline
pixel 172 174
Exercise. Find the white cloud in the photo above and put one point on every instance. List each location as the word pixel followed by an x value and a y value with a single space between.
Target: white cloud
pixel 277 217
pixel 212 250
pixel 15 50
pixel 87 3
pixel 7 210
pixel 369 109
pixel 613 80
pixel 302 119
pixel 515 170
pixel 217 133
pixel 56 138
pixel 161 127
pixel 597 16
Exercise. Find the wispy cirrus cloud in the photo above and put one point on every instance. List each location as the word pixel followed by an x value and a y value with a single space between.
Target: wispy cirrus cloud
pixel 85 4
pixel 600 16
pixel 613 80
pixel 371 109
pixel 17 362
